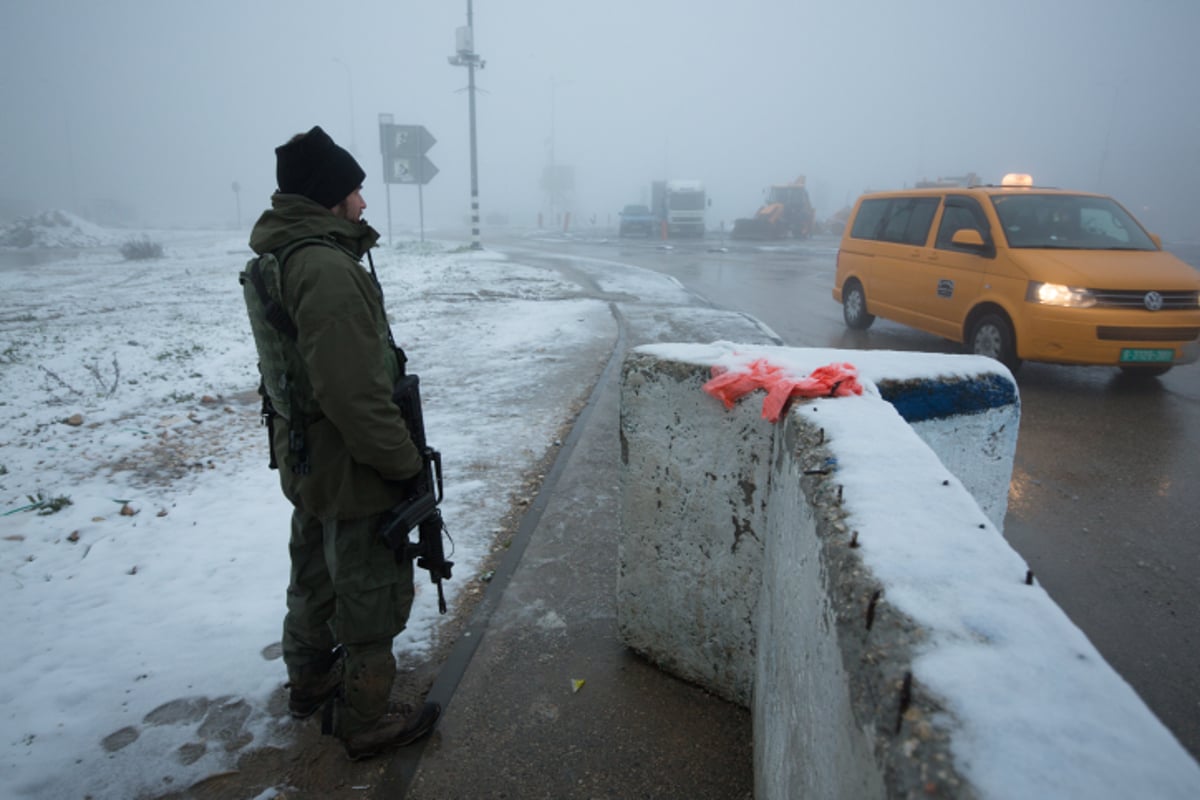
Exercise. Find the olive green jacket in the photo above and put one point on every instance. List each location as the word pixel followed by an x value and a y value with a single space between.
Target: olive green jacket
pixel 359 449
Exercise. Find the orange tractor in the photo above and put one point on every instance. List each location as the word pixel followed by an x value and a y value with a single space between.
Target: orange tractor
pixel 788 213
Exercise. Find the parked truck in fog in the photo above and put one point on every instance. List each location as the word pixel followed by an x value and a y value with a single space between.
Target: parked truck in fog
pixel 681 205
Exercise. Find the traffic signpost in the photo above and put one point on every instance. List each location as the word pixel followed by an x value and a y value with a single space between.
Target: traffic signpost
pixel 404 161
pixel 416 169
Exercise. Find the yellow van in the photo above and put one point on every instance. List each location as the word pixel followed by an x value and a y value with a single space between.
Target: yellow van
pixel 1020 272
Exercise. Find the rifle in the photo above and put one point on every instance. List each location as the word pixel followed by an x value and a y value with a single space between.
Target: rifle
pixel 420 509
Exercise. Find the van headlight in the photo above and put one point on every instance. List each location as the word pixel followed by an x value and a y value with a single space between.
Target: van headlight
pixel 1055 294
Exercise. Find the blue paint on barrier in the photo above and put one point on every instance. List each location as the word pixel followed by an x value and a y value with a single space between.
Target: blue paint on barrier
pixel 924 399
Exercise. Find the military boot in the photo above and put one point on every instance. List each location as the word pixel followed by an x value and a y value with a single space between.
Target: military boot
pixel 362 717
pixel 397 728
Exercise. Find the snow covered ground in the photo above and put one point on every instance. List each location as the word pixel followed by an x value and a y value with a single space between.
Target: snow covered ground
pixel 143 555
pixel 143 539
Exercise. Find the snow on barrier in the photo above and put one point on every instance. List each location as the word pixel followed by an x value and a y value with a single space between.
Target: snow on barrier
pixel 842 573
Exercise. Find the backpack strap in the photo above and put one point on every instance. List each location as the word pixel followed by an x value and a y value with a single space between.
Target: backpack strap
pixel 267 416
pixel 272 309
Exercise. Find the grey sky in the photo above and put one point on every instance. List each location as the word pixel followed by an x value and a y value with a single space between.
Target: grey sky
pixel 147 111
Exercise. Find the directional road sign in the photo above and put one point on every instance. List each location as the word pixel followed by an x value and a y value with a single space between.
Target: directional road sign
pixel 404 148
pixel 413 169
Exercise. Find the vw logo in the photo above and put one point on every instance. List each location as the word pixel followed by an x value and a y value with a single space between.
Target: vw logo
pixel 1153 301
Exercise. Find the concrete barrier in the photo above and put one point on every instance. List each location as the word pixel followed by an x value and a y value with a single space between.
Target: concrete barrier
pixel 842 574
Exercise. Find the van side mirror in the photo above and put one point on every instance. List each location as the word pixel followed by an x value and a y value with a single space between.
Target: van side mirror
pixel 1154 237
pixel 968 237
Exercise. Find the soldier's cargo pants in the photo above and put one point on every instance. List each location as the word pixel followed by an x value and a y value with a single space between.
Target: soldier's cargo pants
pixel 346 588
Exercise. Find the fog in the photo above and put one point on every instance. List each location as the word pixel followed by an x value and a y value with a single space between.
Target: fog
pixel 145 113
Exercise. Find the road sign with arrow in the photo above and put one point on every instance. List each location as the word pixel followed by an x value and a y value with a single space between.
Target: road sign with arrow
pixel 404 159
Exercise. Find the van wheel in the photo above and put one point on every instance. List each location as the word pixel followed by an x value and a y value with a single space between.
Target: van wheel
pixel 854 307
pixel 992 335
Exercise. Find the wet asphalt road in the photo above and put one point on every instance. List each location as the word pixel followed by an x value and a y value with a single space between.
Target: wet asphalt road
pixel 1104 501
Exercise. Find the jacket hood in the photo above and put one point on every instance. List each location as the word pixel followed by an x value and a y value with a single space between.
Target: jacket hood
pixel 293 216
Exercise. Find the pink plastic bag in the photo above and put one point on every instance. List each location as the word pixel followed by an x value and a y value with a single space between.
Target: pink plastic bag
pixel 831 380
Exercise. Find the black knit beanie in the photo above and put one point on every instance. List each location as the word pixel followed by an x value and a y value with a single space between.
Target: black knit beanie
pixel 314 166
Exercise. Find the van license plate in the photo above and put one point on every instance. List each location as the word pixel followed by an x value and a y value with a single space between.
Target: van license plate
pixel 1135 356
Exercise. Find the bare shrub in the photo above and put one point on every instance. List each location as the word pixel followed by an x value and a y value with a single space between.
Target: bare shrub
pixel 142 249
pixel 105 386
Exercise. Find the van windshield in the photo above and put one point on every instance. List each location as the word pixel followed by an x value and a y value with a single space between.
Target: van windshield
pixel 1068 221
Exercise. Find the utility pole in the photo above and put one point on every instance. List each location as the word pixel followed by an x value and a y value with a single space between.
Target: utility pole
pixel 465 56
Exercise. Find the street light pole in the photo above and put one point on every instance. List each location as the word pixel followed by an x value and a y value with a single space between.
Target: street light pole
pixel 556 179
pixel 350 92
pixel 553 166
pixel 466 56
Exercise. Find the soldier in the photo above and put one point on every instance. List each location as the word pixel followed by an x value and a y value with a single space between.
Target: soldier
pixel 345 456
